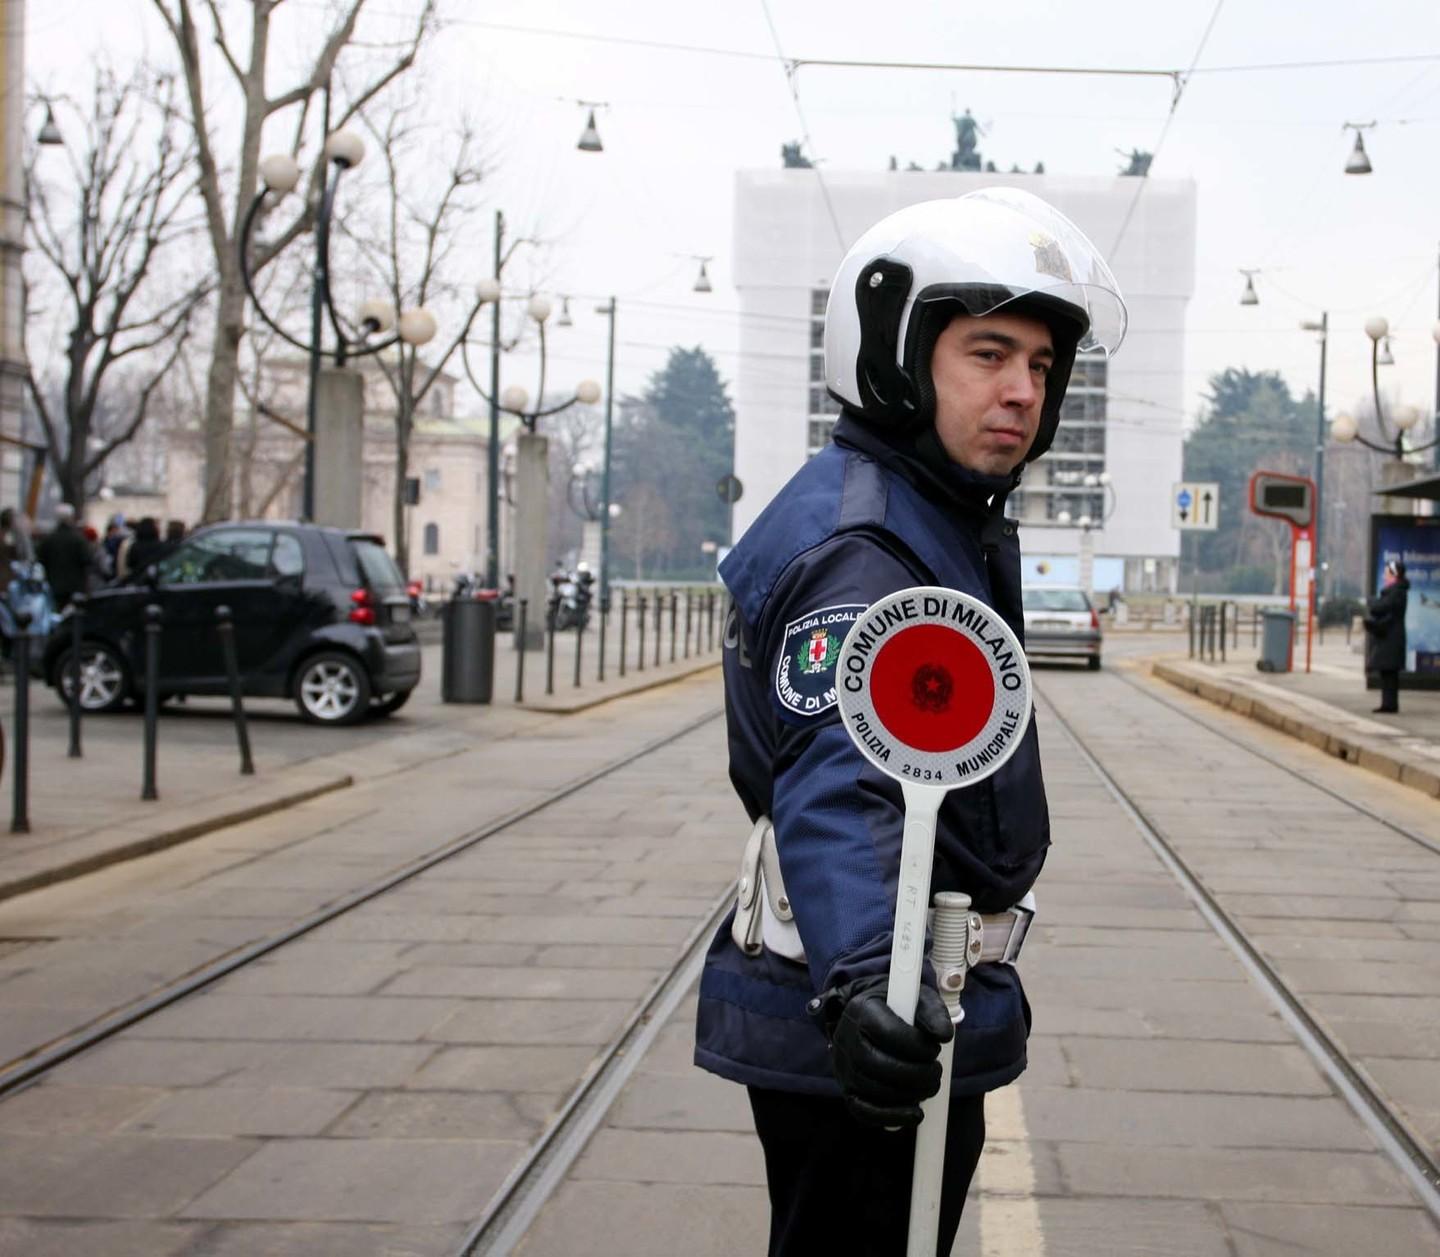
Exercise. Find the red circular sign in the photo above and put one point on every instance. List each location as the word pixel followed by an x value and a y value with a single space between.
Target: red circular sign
pixel 932 687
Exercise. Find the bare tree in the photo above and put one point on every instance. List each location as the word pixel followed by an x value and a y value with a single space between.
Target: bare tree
pixel 645 528
pixel 411 255
pixel 250 83
pixel 109 237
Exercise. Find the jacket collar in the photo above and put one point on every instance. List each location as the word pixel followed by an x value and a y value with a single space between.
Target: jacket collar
pixel 921 459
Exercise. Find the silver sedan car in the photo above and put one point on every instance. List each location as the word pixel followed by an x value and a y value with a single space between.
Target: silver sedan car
pixel 1061 624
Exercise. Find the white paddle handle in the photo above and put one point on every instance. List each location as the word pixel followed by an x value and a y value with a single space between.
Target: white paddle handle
pixel 912 898
pixel 952 911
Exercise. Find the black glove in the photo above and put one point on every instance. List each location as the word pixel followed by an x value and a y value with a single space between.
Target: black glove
pixel 885 1067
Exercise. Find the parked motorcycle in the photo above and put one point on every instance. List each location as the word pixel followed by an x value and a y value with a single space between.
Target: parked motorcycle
pixel 571 594
pixel 467 585
pixel 28 590
pixel 421 607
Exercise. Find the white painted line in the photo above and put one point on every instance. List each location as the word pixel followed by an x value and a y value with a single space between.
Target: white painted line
pixel 1009 1212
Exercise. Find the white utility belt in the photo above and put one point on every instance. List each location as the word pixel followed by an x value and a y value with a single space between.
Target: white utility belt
pixel 765 919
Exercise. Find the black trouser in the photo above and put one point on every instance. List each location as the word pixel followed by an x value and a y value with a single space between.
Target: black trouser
pixel 843 1189
pixel 1390 691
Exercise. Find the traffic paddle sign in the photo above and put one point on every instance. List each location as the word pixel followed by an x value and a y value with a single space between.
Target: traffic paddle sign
pixel 934 689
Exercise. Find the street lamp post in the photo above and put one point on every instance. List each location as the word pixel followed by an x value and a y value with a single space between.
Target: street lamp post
pixel 280 173
pixel 1087 523
pixel 1323 327
pixel 1346 428
pixel 531 454
pixel 606 507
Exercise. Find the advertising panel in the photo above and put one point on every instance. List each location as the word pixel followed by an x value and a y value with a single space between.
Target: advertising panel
pixel 1415 542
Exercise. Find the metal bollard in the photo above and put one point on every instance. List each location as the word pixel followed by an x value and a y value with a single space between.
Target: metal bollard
pixel 659 623
pixel 554 605
pixel 674 608
pixel 624 612
pixel 579 642
pixel 77 640
pixel 604 617
pixel 1192 626
pixel 520 655
pixel 640 624
pixel 710 617
pixel 1222 631
pixel 687 624
pixel 152 697
pixel 226 628
pixel 20 800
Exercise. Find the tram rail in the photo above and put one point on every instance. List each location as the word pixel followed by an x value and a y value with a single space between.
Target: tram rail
pixel 24 1071
pixel 1386 1124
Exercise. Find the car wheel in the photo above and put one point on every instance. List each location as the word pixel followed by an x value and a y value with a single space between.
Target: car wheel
pixel 386 706
pixel 104 685
pixel 1093 663
pixel 332 689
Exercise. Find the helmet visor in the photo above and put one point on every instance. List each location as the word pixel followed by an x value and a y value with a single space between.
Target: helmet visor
pixel 1012 245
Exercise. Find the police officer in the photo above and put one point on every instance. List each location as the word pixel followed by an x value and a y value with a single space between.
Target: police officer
pixel 950 334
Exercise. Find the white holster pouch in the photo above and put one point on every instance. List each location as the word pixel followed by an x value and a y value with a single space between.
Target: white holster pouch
pixel 764 918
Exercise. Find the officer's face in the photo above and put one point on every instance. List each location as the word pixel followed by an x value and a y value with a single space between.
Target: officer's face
pixel 989 376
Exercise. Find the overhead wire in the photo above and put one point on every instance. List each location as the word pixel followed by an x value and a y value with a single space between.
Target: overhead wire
pixel 1180 85
pixel 790 80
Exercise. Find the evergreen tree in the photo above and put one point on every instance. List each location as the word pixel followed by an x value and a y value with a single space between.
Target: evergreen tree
pixel 670 447
pixel 1252 423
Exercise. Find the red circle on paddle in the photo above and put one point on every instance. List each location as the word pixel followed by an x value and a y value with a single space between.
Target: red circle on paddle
pixel 932 688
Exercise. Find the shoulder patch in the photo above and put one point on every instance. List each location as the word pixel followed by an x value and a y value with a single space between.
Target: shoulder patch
pixel 805 670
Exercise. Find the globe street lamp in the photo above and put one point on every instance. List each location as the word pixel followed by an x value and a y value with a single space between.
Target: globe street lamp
pixel 1402 419
pixel 1098 503
pixel 531 450
pixel 280 173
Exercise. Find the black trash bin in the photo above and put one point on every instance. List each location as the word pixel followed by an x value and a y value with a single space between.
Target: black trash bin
pixel 467 672
pixel 1276 637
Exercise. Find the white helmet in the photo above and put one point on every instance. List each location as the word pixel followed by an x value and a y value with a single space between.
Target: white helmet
pixel 910 274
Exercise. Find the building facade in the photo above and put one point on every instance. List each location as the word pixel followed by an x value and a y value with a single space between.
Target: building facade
pixel 12 248
pixel 446 526
pixel 1122 418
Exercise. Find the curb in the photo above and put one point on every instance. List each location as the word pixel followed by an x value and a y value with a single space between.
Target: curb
pixel 556 706
pixel 1385 761
pixel 150 843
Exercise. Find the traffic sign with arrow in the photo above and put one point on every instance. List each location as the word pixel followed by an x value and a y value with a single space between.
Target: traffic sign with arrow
pixel 1195 506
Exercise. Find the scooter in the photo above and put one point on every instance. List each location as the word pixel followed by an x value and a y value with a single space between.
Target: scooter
pixel 28 591
pixel 570 597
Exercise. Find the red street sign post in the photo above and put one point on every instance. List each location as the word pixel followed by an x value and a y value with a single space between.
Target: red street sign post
pixel 934 689
pixel 1277 495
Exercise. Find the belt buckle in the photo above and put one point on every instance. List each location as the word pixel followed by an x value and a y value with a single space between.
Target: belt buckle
pixel 1023 913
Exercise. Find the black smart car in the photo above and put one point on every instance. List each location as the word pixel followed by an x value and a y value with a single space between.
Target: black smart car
pixel 321 616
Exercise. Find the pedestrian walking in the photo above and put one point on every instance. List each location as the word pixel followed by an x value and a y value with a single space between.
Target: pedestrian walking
pixel 66 556
pixel 1385 635
pixel 950 334
pixel 139 550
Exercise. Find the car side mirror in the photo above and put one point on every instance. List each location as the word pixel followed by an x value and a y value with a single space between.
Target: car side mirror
pixel 151 577
pixel 288 580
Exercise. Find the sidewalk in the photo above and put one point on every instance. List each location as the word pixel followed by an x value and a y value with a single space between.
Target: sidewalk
pixel 1328 707
pixel 87 813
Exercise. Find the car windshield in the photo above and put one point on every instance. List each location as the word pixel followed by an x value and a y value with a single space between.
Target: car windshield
pixel 378 568
pixel 1055 600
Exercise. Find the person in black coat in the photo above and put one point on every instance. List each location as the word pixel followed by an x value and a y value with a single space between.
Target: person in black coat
pixel 66 556
pixel 1385 635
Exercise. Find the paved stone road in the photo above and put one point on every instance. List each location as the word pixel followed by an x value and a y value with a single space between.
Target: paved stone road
pixel 364 1091
pixel 1166 1110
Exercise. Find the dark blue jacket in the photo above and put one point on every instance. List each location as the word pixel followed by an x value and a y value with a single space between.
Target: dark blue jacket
pixel 860 520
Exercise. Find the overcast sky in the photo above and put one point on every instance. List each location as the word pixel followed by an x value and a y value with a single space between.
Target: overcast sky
pixel 1265 147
